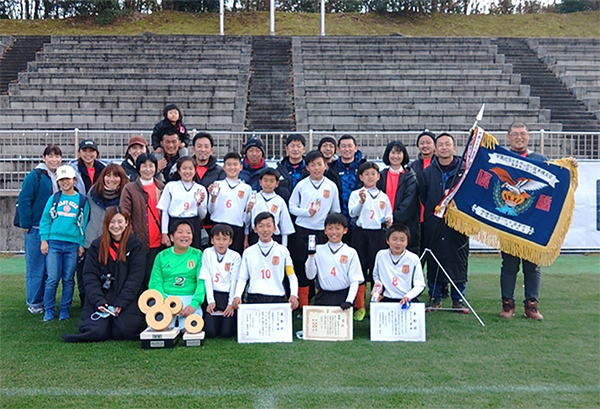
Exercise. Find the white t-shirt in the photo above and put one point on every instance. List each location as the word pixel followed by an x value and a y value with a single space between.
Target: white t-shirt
pixel 264 264
pixel 373 212
pixel 274 204
pixel 401 276
pixel 230 206
pixel 322 195
pixel 220 272
pixel 182 199
pixel 337 266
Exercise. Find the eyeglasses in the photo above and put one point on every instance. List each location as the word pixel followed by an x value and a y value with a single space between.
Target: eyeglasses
pixel 521 134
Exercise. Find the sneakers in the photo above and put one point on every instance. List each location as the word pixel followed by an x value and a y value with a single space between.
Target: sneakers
pixel 458 306
pixel 35 309
pixel 433 305
pixel 508 308
pixel 49 315
pixel 64 315
pixel 531 310
pixel 359 314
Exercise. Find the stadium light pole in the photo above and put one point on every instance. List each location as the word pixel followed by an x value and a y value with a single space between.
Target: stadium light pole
pixel 222 17
pixel 322 17
pixel 272 17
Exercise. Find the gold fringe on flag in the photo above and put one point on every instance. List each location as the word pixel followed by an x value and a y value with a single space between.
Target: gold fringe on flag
pixel 489 141
pixel 511 244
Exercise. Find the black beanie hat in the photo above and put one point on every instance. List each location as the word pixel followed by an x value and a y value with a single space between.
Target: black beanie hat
pixel 426 133
pixel 324 139
pixel 256 142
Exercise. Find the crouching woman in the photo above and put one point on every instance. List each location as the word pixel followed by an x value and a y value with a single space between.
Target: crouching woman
pixel 112 276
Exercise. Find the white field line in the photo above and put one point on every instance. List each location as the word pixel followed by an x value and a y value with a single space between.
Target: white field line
pixel 266 396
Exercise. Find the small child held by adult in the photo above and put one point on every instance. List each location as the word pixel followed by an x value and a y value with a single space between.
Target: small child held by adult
pixel 372 209
pixel 172 121
pixel 229 199
pixel 337 265
pixel 220 268
pixel 397 273
pixel 268 201
pixel 265 264
pixel 62 231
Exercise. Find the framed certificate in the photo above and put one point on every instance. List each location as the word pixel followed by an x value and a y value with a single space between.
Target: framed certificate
pixel 264 323
pixel 389 322
pixel 326 323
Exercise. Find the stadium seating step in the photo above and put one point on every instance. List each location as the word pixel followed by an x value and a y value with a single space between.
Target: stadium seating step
pixel 270 89
pixel 553 94
pixel 15 58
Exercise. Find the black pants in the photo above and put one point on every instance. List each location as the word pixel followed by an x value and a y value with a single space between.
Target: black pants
pixel 298 247
pixel 367 244
pixel 79 274
pixel 215 325
pixel 127 325
pixel 331 298
pixel 150 256
pixel 238 238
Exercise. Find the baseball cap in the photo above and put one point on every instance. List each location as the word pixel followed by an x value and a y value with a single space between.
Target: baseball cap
pixel 65 172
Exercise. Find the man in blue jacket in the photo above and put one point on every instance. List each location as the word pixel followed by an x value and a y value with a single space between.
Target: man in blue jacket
pixel 37 188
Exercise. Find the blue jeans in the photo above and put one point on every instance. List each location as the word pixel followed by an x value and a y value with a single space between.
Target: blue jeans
pixel 61 262
pixel 35 271
pixel 435 290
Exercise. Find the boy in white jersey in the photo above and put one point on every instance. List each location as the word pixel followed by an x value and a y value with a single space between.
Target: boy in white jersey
pixel 311 201
pixel 265 264
pixel 269 201
pixel 229 199
pixel 220 268
pixel 337 266
pixel 373 211
pixel 397 272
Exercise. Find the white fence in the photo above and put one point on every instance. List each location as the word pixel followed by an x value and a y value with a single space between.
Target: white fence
pixel 20 150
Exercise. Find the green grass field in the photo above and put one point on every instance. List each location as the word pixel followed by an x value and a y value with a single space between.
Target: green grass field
pixel 510 363
pixel 583 24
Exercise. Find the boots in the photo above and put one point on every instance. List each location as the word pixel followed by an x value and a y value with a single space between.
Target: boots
pixel 508 308
pixel 531 310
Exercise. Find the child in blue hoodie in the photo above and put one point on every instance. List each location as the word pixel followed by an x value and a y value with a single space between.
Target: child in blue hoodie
pixel 62 230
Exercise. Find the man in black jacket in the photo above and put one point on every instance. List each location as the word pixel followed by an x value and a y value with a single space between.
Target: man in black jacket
pixel 344 173
pixel 449 246
pixel 207 169
pixel 292 168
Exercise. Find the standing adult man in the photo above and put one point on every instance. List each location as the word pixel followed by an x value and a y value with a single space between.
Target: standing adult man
pixel 426 146
pixel 518 139
pixel 344 173
pixel 207 169
pixel 449 246
pixel 170 144
pixel 292 168
pixel 254 162
pixel 327 146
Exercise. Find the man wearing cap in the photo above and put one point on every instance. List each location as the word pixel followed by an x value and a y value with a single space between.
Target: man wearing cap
pixel 87 166
pixel 327 146
pixel 253 163
pixel 292 168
